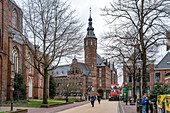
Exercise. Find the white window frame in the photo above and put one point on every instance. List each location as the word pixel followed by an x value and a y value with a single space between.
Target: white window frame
pixel 15 59
pixel 91 42
pixel 29 63
pixel 100 72
pixel 100 82
pixel 86 42
pixel 155 78
pixel 92 65
pixel 14 18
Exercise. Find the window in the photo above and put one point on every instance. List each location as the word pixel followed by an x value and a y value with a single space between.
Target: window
pixel 100 72
pixel 29 63
pixel 148 90
pixel 62 72
pixel 57 72
pixel 86 42
pixel 14 18
pixel 91 42
pixel 148 77
pixel 15 59
pixel 86 55
pixel 40 79
pixel 100 83
pixel 95 42
pixel 157 77
pixel 129 77
pixel 92 65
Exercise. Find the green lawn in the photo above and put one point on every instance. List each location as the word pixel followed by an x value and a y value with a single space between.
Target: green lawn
pixel 5 112
pixel 36 104
pixel 70 100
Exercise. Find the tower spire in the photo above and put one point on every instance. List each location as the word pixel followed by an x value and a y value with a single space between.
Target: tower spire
pixel 90 29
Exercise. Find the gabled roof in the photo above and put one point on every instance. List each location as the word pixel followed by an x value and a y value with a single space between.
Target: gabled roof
pixel 100 61
pixel 84 68
pixel 164 63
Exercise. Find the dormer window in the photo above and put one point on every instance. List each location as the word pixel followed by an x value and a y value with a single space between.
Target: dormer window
pixel 14 18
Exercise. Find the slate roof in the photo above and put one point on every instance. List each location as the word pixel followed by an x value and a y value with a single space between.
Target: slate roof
pixel 84 68
pixel 62 70
pixel 100 61
pixel 164 63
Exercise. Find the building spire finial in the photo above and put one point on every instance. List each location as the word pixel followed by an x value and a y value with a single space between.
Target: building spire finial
pixel 90 29
pixel 90 12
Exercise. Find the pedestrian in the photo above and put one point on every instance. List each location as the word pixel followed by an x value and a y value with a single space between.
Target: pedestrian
pixel 99 98
pixel 144 104
pixel 151 106
pixel 147 105
pixel 86 97
pixel 89 97
pixel 92 99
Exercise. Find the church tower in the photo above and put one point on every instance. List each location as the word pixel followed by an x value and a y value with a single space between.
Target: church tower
pixel 90 48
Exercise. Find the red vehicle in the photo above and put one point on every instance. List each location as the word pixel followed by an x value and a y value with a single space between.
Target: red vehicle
pixel 114 92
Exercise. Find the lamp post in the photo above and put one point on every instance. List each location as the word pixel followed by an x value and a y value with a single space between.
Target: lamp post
pixel 12 89
pixel 67 93
pixel 126 93
pixel 139 62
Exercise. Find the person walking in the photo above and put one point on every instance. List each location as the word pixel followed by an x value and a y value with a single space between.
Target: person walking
pixel 92 99
pixel 147 105
pixel 144 104
pixel 99 98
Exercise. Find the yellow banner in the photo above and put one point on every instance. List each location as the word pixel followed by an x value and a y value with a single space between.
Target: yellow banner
pixel 167 102
pixel 160 99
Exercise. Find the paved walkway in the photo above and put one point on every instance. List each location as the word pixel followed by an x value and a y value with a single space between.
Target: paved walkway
pixel 46 110
pixel 123 108
pixel 105 107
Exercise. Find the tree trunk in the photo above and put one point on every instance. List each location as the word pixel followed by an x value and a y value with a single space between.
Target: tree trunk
pixel 144 73
pixel 45 87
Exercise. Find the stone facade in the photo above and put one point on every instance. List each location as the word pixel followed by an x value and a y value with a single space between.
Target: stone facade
pixel 13 53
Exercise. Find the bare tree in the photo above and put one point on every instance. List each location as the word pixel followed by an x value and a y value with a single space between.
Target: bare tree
pixel 54 31
pixel 149 18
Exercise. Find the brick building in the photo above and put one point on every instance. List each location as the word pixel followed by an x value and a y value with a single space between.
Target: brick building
pixel 13 53
pixel 92 77
pixel 156 73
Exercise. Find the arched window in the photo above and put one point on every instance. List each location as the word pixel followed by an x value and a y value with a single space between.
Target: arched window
pixel 15 59
pixel 14 18
pixel 29 63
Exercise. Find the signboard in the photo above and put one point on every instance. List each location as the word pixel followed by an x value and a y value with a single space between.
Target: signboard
pixel 160 99
pixel 167 102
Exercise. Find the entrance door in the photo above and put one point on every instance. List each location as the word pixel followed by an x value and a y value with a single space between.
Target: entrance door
pixel 30 88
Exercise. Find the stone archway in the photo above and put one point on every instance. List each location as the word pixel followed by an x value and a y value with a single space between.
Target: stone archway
pixel 100 92
pixel 30 88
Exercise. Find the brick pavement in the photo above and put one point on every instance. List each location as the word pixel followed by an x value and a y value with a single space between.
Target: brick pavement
pixel 105 107
pixel 123 108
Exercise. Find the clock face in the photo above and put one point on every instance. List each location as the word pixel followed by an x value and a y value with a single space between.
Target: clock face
pixel 74 62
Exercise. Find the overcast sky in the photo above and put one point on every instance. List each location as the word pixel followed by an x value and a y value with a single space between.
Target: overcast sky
pixel 82 9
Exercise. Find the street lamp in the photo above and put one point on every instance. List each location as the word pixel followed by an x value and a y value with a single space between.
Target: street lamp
pixel 12 89
pixel 67 93
pixel 126 92
pixel 139 65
